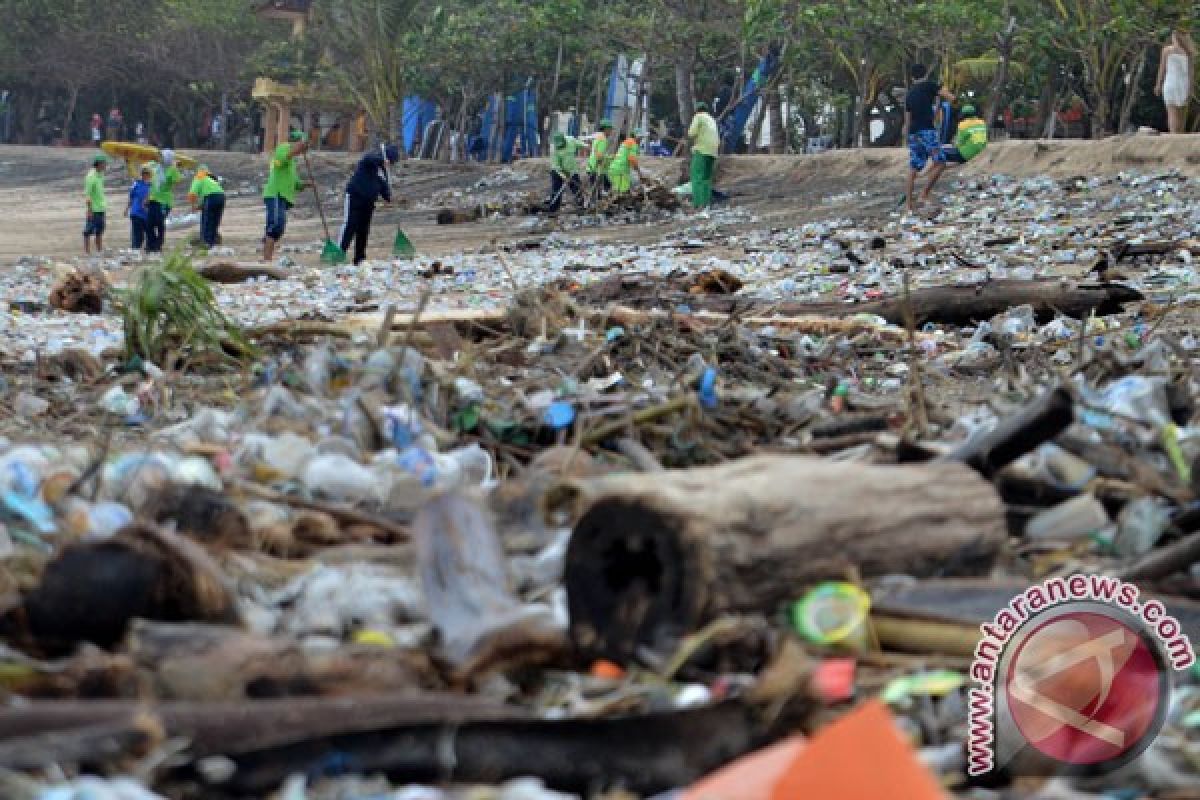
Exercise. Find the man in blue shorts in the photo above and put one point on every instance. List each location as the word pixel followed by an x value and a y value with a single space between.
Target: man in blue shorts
pixel 924 143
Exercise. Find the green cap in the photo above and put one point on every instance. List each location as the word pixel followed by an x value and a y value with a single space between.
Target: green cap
pixel 296 136
pixel 559 140
pixel 968 109
pixel 606 123
pixel 701 105
pixel 100 158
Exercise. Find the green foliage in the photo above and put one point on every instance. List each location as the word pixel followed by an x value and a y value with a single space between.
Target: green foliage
pixel 171 309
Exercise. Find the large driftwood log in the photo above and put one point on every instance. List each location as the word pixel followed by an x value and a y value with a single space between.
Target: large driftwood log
pixel 91 746
pixel 965 305
pixel 953 305
pixel 652 559
pixel 432 737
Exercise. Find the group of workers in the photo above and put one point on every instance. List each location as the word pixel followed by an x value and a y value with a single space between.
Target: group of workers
pixel 369 184
pixel 151 198
pixel 610 171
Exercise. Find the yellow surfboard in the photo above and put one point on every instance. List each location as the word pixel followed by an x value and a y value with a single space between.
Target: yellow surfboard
pixel 135 155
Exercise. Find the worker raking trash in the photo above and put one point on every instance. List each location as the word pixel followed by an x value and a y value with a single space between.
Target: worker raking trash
pixel 367 185
pixel 564 170
pixel 279 194
pixel 624 163
pixel 598 162
pixel 207 195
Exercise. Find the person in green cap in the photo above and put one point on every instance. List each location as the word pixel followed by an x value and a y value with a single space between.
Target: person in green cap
pixel 280 192
pixel 625 160
pixel 599 159
pixel 564 170
pixel 207 195
pixel 970 139
pixel 162 198
pixel 705 141
pixel 93 197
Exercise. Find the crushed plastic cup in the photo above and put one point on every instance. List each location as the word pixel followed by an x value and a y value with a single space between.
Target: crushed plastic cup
pixel 1081 516
pixel 834 614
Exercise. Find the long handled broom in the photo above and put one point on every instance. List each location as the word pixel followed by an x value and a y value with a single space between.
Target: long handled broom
pixel 401 246
pixel 330 253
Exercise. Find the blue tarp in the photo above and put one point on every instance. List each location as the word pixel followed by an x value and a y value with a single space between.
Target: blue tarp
pixel 734 123
pixel 520 122
pixel 415 116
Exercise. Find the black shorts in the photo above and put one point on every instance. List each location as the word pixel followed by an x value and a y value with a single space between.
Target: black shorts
pixel 94 224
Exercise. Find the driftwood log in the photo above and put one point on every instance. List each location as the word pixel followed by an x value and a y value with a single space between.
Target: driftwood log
pixel 651 560
pixel 193 661
pixel 951 305
pixel 966 305
pixel 91 746
pixel 240 272
pixel 448 737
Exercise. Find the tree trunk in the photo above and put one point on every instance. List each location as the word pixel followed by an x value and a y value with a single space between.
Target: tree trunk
pixel 760 119
pixel 552 99
pixel 650 561
pixel 861 128
pixel 1048 110
pixel 1004 42
pixel 685 97
pixel 775 125
pixel 1132 88
pixel 27 122
pixel 601 86
pixel 72 100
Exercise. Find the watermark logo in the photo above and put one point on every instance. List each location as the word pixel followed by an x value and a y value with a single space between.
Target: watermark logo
pixel 1073 674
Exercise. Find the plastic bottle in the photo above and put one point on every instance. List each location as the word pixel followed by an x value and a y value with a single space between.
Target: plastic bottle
pixel 1078 517
pixel 464 575
pixel 466 466
pixel 339 478
pixel 286 453
pixel 1140 525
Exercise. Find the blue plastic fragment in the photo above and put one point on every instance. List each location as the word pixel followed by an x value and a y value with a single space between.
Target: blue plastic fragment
pixel 708 388
pixel 559 415
pixel 31 510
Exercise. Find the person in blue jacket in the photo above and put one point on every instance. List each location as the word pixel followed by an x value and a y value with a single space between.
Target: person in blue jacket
pixel 368 183
pixel 135 209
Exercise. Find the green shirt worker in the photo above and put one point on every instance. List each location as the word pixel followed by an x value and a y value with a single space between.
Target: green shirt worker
pixel 564 170
pixel 96 205
pixel 705 141
pixel 280 192
pixel 600 158
pixel 207 194
pixel 161 200
pixel 970 140
pixel 625 161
